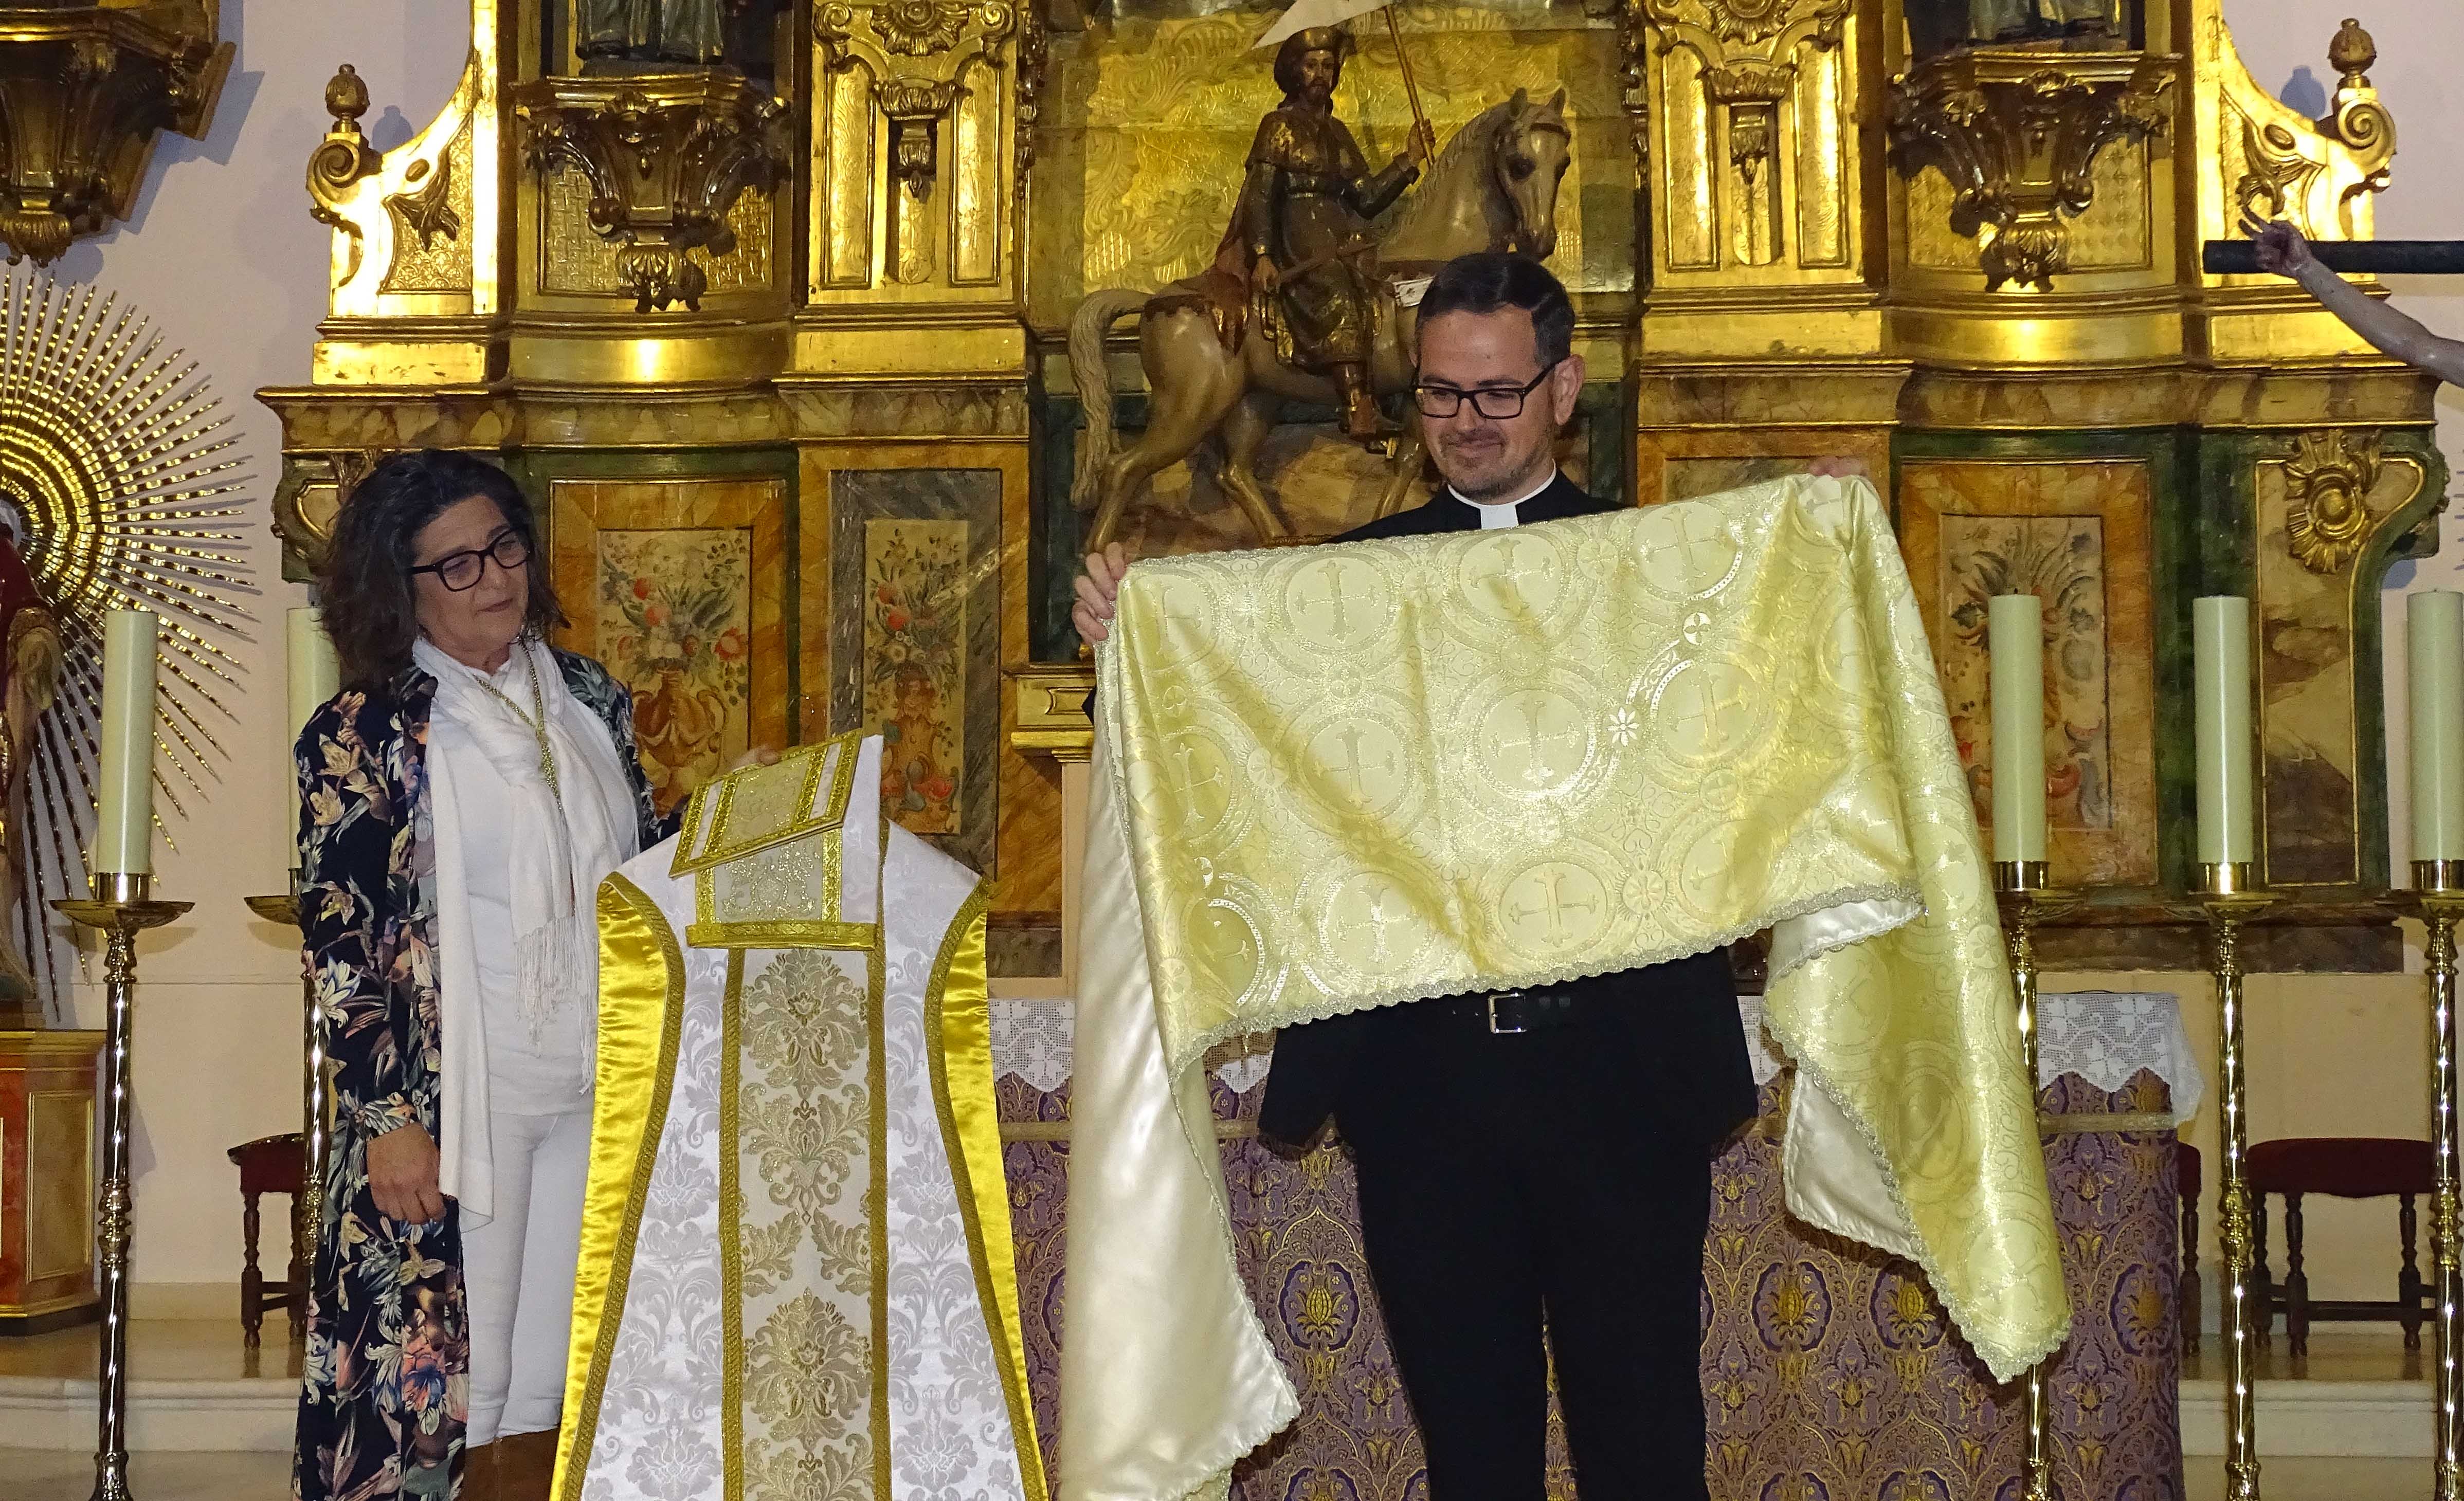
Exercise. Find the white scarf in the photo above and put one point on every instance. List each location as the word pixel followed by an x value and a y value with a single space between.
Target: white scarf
pixel 565 838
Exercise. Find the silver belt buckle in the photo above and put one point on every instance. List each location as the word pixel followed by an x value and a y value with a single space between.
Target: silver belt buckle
pixel 1494 1028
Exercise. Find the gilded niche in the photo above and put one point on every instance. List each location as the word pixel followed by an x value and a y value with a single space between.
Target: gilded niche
pixel 666 157
pixel 2017 134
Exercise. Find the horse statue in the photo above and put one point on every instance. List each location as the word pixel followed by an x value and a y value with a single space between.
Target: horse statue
pixel 1493 186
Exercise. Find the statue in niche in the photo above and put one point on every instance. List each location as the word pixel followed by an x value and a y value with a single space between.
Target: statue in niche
pixel 621 36
pixel 1936 27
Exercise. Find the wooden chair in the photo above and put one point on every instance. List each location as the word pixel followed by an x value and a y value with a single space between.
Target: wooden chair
pixel 271 1164
pixel 2186 1182
pixel 2345 1167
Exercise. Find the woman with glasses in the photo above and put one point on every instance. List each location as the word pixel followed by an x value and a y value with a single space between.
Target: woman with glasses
pixel 460 801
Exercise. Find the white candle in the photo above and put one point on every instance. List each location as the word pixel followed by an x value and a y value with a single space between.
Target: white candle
pixel 2220 647
pixel 124 831
pixel 2016 638
pixel 2434 625
pixel 316 675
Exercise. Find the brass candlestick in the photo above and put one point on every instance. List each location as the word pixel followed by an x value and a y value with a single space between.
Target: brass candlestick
pixel 121 907
pixel 2022 891
pixel 2231 898
pixel 308 1206
pixel 2437 899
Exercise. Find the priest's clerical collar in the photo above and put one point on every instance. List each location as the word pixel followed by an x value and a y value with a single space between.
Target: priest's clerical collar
pixel 1499 513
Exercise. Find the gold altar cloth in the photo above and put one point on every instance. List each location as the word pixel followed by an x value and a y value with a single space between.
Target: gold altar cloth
pixel 1350 776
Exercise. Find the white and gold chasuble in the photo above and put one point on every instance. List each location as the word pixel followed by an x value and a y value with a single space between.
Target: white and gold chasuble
pixel 1339 778
pixel 797 1281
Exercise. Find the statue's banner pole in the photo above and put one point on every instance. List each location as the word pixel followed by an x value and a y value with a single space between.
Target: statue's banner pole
pixel 2357 257
pixel 1411 85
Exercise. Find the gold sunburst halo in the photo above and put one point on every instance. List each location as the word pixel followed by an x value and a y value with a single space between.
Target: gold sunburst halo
pixel 124 483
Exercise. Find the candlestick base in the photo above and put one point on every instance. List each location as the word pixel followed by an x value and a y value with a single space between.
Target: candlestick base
pixel 2437 899
pixel 121 907
pixel 2232 897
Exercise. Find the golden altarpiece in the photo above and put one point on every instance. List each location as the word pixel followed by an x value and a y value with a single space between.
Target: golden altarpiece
pixel 777 323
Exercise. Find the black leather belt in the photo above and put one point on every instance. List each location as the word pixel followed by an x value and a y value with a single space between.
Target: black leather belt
pixel 1510 1013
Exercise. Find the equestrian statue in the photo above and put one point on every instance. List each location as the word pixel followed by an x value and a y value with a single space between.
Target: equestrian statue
pixel 1301 303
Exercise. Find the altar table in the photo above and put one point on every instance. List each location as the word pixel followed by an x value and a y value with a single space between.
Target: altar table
pixel 1829 1373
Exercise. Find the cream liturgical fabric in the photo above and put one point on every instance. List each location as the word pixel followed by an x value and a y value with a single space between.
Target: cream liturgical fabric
pixel 1349 776
pixel 796 1279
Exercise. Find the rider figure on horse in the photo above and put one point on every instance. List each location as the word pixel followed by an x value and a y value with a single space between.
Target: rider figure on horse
pixel 1303 222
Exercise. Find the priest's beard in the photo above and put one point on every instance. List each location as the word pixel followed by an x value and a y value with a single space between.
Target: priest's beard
pixel 1495 462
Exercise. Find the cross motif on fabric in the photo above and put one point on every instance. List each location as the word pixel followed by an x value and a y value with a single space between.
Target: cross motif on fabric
pixel 1688 542
pixel 1553 904
pixel 1511 571
pixel 1535 740
pixel 1710 703
pixel 1191 784
pixel 1330 574
pixel 1376 920
pixel 1356 769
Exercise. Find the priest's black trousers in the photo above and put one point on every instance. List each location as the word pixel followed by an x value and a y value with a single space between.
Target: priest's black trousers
pixel 1509 1180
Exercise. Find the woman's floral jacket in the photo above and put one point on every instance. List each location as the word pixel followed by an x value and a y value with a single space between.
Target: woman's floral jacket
pixel 386 1374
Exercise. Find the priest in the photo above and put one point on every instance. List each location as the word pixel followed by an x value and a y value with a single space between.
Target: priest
pixel 1530 1157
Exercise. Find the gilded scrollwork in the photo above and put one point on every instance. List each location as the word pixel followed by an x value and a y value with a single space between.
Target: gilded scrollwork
pixel 2329 478
pixel 427 208
pixel 83 88
pixel 2017 135
pixel 940 39
pixel 2319 174
pixel 1750 56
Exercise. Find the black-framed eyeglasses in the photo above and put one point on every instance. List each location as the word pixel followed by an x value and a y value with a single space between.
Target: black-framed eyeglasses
pixel 463 570
pixel 1496 402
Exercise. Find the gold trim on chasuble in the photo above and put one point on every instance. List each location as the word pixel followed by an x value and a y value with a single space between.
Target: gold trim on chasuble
pixel 958 1040
pixel 641 1017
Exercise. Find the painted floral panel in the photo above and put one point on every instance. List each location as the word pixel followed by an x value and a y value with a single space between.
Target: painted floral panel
pixel 916 667
pixel 2060 560
pixel 675 625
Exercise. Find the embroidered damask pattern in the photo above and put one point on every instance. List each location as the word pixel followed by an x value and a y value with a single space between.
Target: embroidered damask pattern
pixel 1789 764
pixel 803 1112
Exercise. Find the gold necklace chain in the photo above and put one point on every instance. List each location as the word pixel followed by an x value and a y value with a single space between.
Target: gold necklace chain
pixel 537 723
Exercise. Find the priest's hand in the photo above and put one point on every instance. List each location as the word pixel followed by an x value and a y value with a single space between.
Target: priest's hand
pixel 1097 588
pixel 2282 249
pixel 402 1175
pixel 758 756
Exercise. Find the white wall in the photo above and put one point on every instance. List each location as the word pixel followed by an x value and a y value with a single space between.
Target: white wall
pixel 221 256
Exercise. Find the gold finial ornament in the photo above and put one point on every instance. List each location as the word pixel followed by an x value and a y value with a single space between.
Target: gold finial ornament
pixel 119 469
pixel 2353 53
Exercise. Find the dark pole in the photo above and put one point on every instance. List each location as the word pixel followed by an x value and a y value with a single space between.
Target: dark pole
pixel 2359 257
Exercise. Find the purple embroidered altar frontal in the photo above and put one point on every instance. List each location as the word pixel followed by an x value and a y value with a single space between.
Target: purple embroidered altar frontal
pixel 1829 1373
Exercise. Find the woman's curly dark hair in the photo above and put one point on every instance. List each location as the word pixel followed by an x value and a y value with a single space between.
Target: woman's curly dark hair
pixel 370 599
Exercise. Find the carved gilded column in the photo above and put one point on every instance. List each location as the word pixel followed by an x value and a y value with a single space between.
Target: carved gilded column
pixel 922 118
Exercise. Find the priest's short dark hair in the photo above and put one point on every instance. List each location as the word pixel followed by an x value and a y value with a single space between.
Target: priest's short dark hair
pixel 366 585
pixel 1489 281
